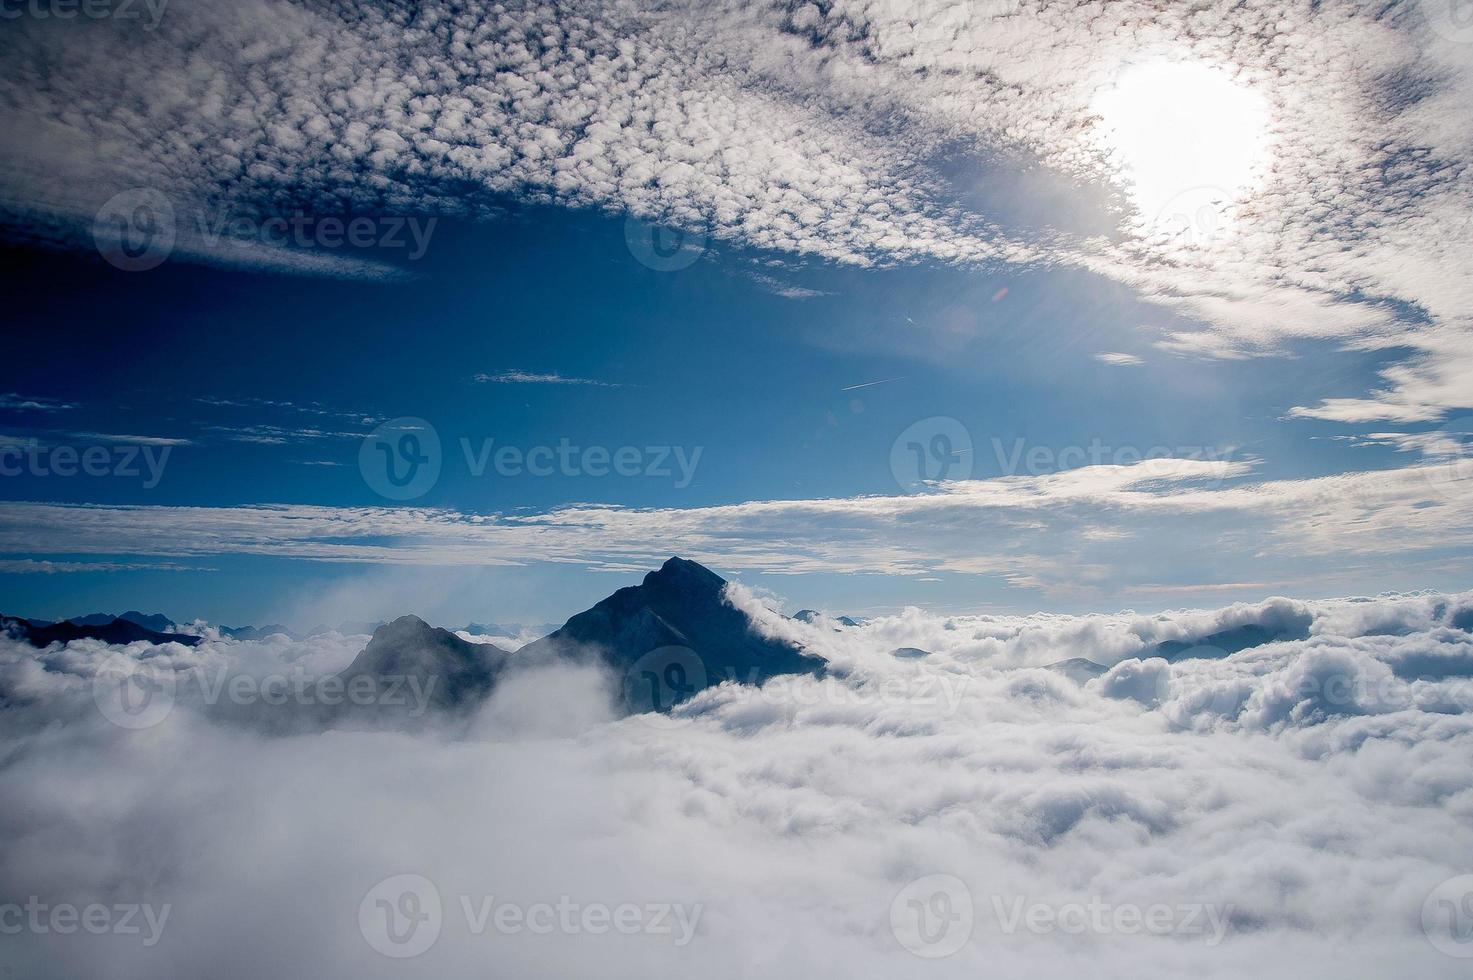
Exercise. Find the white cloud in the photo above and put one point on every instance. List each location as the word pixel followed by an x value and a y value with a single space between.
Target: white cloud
pixel 1024 532
pixel 126 440
pixel 13 402
pixel 1117 358
pixel 1311 793
pixel 758 125
pixel 532 378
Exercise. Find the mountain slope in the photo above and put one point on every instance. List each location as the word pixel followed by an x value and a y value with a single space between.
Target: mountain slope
pixel 674 631
pixel 113 631
pixel 411 656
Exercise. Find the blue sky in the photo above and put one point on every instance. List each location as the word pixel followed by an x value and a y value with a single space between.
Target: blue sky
pixel 1012 289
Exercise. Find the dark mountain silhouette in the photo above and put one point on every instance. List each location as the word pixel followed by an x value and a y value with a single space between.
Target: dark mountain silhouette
pixel 673 632
pixel 157 622
pixel 489 629
pixel 909 653
pixel 92 619
pixel 21 622
pixel 113 631
pixel 1079 669
pixel 809 615
pixel 450 671
pixel 1225 643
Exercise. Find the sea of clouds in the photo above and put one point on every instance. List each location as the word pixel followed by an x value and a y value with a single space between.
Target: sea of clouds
pixel 1303 808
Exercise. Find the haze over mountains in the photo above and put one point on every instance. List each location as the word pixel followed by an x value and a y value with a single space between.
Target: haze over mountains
pixel 661 642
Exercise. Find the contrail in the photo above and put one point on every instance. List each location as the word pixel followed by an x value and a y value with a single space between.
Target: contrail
pixel 868 384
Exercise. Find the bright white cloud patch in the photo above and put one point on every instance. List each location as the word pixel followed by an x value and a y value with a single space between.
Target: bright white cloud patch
pixel 1294 803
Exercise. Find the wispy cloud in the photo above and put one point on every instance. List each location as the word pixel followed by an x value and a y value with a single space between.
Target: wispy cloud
pixel 786 290
pixel 30 566
pixel 31 403
pixel 1030 532
pixel 532 378
pixel 1114 357
pixel 128 440
pixel 276 435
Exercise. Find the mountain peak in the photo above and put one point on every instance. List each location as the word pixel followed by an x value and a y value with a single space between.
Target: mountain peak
pixel 409 623
pixel 679 605
pixel 685 577
pixel 409 647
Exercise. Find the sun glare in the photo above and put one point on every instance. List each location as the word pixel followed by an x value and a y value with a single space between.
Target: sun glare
pixel 1189 140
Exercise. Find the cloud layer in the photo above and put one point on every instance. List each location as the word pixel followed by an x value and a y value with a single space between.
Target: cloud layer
pixel 1310 793
pixel 1089 530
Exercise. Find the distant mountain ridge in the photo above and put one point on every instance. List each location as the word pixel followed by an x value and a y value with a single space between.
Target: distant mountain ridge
pixel 1226 642
pixel 809 615
pixel 157 622
pixel 667 638
pixel 114 630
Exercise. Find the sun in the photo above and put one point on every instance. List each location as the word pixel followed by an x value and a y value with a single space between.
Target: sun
pixel 1188 140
